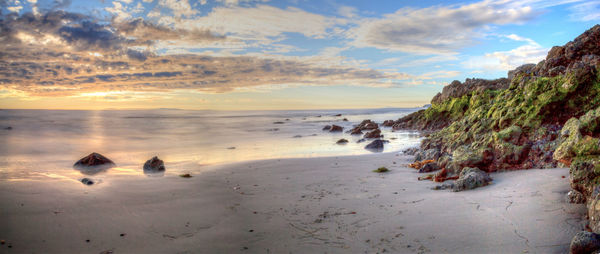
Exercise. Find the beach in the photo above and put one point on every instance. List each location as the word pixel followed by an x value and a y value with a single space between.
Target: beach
pixel 298 205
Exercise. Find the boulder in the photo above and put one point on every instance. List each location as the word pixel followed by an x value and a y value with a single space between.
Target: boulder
pixel 327 127
pixel 575 197
pixel 457 89
pixel 429 167
pixel 376 145
pixel 429 154
pixel 94 159
pixel 585 242
pixel 154 165
pixel 367 125
pixel 336 128
pixel 471 178
pixel 342 141
pixel 373 134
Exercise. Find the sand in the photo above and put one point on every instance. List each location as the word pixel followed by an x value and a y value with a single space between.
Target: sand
pixel 314 205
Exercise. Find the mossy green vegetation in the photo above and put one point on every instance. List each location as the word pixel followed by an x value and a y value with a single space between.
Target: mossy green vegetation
pixel 381 170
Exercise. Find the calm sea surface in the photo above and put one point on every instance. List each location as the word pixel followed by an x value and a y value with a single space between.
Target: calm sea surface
pixel 46 143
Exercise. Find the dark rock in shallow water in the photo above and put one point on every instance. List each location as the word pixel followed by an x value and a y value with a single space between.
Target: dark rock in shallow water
pixel 327 127
pixel 361 140
pixel 338 115
pixel 278 122
pixel 356 131
pixel 87 181
pixel 154 165
pixel 93 163
pixel 342 141
pixel 373 134
pixel 8 128
pixel 585 242
pixel 471 178
pixel 376 145
pixel 345 119
pixel 388 123
pixel 336 128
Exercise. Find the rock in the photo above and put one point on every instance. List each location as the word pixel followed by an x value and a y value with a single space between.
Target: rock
pixel 411 151
pixel 471 178
pixel 356 131
pixel 388 123
pixel 375 145
pixel 443 186
pixel 367 125
pixel 327 127
pixel 297 136
pixel 154 165
pixel 231 147
pixel 278 122
pixel 373 134
pixel 187 175
pixel 361 140
pixel 429 167
pixel 457 89
pixel 342 141
pixel 338 115
pixel 8 128
pixel 584 242
pixel 336 128
pixel 87 181
pixel 526 69
pixel 575 197
pixel 429 154
pixel 345 119
pixel 93 163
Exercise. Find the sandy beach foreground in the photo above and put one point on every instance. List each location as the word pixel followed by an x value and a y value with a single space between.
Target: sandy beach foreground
pixel 317 205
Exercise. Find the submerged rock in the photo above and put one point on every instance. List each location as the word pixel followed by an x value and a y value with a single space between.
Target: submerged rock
pixel 585 242
pixel 154 165
pixel 87 181
pixel 8 128
pixel 327 127
pixel 342 141
pixel 471 178
pixel 356 131
pixel 388 123
pixel 336 128
pixel 376 145
pixel 374 134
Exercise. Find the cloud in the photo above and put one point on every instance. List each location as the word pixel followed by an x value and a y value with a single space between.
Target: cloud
pixel 531 52
pixel 436 30
pixel 587 11
pixel 262 23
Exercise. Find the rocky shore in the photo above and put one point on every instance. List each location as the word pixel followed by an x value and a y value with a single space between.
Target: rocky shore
pixel 542 115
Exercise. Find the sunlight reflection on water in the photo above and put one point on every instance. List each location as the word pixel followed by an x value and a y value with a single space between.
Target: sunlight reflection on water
pixel 48 142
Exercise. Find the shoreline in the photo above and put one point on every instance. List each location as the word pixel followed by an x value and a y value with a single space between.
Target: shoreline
pixel 298 205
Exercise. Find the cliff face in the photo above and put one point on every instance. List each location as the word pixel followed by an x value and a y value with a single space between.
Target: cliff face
pixel 543 115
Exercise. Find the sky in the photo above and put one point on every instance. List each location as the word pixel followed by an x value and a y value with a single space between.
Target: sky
pixel 267 54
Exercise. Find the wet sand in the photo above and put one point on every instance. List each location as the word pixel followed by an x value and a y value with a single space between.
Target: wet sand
pixel 315 205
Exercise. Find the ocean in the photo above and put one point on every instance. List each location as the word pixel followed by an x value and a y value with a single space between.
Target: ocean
pixel 46 143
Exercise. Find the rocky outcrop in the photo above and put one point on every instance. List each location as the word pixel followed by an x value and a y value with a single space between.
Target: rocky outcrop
pixel 154 165
pixel 544 115
pixel 458 89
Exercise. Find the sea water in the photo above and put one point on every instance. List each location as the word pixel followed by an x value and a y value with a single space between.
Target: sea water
pixel 44 143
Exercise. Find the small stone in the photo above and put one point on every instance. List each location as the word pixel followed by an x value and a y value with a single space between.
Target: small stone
pixel 154 165
pixel 122 234
pixel 336 128
pixel 87 240
pixel 251 230
pixel 185 175
pixel 87 181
